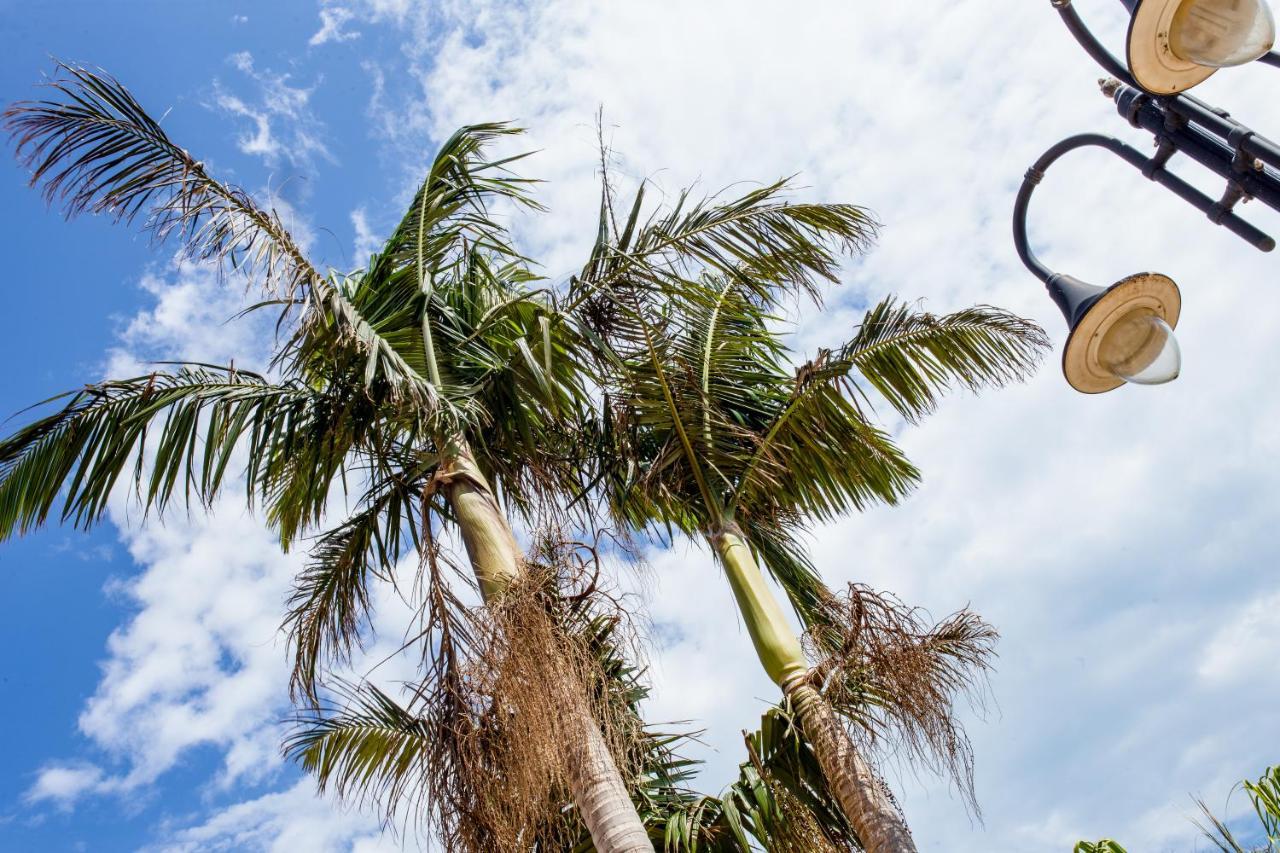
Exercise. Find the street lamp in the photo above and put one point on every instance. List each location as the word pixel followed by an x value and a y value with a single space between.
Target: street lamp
pixel 1124 333
pixel 1175 44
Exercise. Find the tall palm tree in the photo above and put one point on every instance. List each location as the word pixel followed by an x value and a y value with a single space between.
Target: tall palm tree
pixel 437 383
pixel 709 432
pixel 432 373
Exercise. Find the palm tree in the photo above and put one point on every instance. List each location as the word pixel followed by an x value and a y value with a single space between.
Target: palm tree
pixel 437 385
pixel 707 431
pixel 433 373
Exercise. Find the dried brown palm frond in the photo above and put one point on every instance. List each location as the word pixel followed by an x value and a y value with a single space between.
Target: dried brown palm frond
pixel 476 756
pixel 897 678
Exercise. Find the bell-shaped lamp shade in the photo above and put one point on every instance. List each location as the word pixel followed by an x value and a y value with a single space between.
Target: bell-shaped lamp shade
pixel 1176 44
pixel 1119 334
pixel 1222 33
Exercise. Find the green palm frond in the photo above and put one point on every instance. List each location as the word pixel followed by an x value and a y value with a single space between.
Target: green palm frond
pixel 821 457
pixel 371 751
pixel 780 798
pixel 95 149
pixel 1265 796
pixel 175 432
pixel 452 206
pixel 330 603
pixel 1106 845
pixel 773 246
pixel 911 357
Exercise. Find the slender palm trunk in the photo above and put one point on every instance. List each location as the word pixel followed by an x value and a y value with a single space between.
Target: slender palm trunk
pixel 597 786
pixel 863 797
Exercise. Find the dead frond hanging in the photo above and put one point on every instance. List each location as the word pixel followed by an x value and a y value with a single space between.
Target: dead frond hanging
pixel 896 678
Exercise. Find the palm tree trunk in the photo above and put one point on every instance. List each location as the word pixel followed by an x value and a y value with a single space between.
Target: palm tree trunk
pixel 597 787
pixel 862 796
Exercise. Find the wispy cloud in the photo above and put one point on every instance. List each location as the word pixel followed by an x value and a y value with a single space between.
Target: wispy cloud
pixel 366 241
pixel 63 784
pixel 1122 544
pixel 332 20
pixel 282 126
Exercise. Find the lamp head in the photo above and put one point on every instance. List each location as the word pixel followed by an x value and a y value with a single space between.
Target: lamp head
pixel 1122 333
pixel 1176 44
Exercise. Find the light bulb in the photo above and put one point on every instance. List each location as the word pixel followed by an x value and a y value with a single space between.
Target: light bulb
pixel 1220 33
pixel 1140 348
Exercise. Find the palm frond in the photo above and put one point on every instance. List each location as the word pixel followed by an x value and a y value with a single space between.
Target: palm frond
pixel 898 678
pixel 450 213
pixel 95 149
pixel 372 751
pixel 821 457
pixel 1218 833
pixel 781 794
pixel 912 357
pixel 330 603
pixel 1265 796
pixel 1106 845
pixel 104 430
pixel 773 246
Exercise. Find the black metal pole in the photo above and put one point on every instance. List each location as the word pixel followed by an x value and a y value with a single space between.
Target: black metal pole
pixel 1151 168
pixel 1220 123
pixel 1209 151
pixel 1092 46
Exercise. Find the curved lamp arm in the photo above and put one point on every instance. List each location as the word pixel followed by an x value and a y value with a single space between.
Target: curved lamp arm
pixel 1152 168
pixel 1090 43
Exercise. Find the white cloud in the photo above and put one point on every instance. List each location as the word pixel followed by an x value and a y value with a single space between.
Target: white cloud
pixel 331 23
pixel 1248 644
pixel 1122 544
pixel 293 819
pixel 283 126
pixel 366 241
pixel 64 783
pixel 336 15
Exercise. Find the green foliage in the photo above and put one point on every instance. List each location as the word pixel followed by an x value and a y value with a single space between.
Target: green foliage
pixel 1106 845
pixel 442 338
pixel 1264 796
pixel 707 422
pixel 94 148
pixel 192 421
pixel 445 339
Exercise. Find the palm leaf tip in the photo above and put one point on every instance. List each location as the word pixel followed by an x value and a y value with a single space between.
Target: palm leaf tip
pixel 911 357
pixel 94 148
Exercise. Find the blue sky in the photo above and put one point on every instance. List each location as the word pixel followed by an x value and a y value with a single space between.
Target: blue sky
pixel 1124 545
pixel 176 57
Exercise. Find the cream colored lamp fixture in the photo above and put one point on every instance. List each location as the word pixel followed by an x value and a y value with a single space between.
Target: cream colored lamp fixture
pixel 1176 44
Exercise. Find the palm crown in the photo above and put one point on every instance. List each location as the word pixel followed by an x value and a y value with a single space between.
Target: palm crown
pixel 709 423
pixel 442 347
